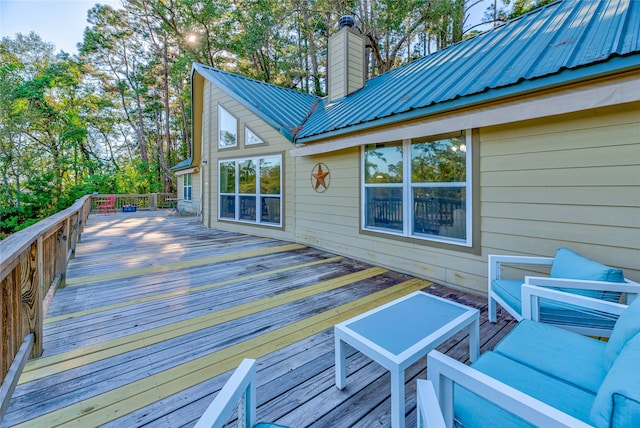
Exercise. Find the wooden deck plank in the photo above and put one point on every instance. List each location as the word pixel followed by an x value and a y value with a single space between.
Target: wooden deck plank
pixel 160 310
pixel 176 293
pixel 160 334
pixel 154 268
pixel 112 404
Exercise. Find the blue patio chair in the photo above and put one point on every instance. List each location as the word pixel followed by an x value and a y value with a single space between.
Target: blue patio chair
pixel 240 391
pixel 570 273
pixel 541 375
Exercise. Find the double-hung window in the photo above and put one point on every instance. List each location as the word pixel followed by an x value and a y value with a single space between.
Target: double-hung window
pixel 250 190
pixel 187 187
pixel 419 188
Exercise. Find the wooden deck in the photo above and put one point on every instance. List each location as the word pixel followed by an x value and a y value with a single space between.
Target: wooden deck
pixel 157 310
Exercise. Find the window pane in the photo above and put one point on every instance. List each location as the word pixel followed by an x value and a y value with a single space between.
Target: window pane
pixel 250 137
pixel 270 210
pixel 440 211
pixel 383 163
pixel 270 176
pixel 227 177
pixel 227 125
pixel 247 208
pixel 228 206
pixel 247 171
pixel 442 161
pixel 384 207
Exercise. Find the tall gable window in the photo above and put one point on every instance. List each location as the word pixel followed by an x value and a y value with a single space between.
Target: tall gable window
pixel 250 190
pixel 419 188
pixel 227 129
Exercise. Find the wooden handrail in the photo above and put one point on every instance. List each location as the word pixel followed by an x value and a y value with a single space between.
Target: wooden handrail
pixel 145 201
pixel 33 265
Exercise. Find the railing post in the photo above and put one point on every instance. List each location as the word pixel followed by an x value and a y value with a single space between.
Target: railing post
pixel 67 233
pixel 61 257
pixel 153 201
pixel 31 285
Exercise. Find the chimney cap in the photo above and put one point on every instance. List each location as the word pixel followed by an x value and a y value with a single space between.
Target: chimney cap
pixel 346 21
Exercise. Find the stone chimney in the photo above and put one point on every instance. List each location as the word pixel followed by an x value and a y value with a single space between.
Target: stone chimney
pixel 346 60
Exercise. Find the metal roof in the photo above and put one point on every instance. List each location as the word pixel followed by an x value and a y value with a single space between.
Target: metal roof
pixel 563 42
pixel 284 109
pixel 182 165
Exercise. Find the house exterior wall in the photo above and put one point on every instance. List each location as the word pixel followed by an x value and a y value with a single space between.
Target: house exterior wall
pixel 571 180
pixel 567 181
pixel 274 144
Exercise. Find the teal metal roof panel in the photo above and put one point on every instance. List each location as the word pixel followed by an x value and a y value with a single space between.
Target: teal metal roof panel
pixel 537 48
pixel 284 109
pixel 181 165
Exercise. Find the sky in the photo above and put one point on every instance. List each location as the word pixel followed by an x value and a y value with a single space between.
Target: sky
pixel 62 22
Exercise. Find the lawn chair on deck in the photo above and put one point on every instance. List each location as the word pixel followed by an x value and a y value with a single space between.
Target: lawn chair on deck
pixel 107 205
pixel 570 273
pixel 541 375
pixel 240 388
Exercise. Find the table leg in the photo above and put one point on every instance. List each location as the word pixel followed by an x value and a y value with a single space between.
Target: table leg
pixel 474 340
pixel 397 399
pixel 341 363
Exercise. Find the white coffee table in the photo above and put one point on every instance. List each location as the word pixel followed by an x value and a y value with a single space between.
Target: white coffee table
pixel 399 333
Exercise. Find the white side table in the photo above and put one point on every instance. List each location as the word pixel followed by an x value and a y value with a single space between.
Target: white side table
pixel 399 333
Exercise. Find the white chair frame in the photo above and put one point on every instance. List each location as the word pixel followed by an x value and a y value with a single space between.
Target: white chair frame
pixel 495 261
pixel 239 390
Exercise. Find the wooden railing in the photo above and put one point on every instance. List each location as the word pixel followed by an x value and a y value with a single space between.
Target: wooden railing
pixel 429 213
pixel 149 201
pixel 33 265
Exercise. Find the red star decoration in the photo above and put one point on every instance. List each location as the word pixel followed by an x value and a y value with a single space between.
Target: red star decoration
pixel 320 176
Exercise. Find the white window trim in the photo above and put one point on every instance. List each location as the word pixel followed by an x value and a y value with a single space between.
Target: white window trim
pixel 258 195
pixel 407 195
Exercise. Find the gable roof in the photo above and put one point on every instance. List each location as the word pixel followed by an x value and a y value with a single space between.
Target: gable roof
pixel 564 42
pixel 282 108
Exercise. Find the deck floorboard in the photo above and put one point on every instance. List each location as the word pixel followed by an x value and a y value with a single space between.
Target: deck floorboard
pixel 158 310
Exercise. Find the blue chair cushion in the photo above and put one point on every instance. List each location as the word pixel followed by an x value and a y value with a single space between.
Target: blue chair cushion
pixel 569 357
pixel 617 403
pixel 571 265
pixel 627 326
pixel 509 290
pixel 550 311
pixel 473 411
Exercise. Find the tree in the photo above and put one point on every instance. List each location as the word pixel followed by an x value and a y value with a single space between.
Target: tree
pixel 43 140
